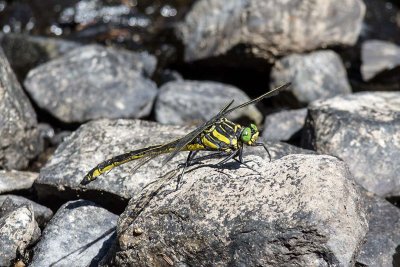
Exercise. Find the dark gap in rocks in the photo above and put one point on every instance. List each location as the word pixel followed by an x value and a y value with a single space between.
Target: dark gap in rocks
pixel 52 198
pixel 396 257
pixel 394 200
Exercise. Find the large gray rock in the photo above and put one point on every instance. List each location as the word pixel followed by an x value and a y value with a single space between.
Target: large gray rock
pixel 185 102
pixel 268 28
pixel 300 210
pixel 363 129
pixel 79 234
pixel 25 52
pixel 18 230
pixel 97 141
pixel 10 202
pixel 313 76
pixel 378 56
pixel 16 180
pixel 94 82
pixel 283 125
pixel 383 237
pixel 19 140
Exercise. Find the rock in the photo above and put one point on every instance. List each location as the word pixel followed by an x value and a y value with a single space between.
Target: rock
pixel 363 130
pixel 113 81
pixel 19 140
pixel 383 237
pixel 97 141
pixel 24 52
pixel 79 234
pixel 188 102
pixel 300 210
pixel 16 180
pixel 283 125
pixel 90 11
pixel 378 56
pixel 268 29
pixel 314 76
pixel 18 230
pixel 10 202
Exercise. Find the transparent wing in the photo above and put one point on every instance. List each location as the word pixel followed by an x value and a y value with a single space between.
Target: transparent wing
pixel 255 100
pixel 182 142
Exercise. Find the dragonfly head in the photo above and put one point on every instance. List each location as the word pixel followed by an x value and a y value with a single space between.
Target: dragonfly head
pixel 249 135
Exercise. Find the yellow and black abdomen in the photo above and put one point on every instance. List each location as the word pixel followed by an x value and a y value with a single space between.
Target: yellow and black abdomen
pixel 222 136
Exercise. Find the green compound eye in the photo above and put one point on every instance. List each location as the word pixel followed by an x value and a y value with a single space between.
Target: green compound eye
pixel 254 128
pixel 246 135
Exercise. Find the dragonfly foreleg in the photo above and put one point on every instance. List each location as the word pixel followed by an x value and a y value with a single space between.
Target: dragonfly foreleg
pixel 265 147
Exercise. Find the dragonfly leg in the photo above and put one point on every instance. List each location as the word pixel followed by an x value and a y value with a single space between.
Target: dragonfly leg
pixel 231 156
pixel 266 149
pixel 185 165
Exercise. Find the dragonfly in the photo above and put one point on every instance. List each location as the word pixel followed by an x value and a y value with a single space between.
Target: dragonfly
pixel 218 134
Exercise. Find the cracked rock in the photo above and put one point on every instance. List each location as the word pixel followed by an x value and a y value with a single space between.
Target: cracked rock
pixel 268 28
pixel 94 82
pixel 378 56
pixel 186 102
pixel 300 210
pixel 11 202
pixel 317 75
pixel 79 234
pixel 363 129
pixel 19 140
pixel 383 237
pixel 283 125
pixel 18 230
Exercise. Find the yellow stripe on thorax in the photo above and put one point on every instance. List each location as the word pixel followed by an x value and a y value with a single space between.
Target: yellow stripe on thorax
pixel 207 143
pixel 221 137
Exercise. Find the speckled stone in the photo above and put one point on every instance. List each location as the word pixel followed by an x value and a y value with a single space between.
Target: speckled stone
pixel 94 82
pixel 10 202
pixel 16 180
pixel 317 75
pixel 284 124
pixel 363 129
pixel 19 142
pixel 378 56
pixel 381 247
pixel 268 28
pixel 79 234
pixel 18 230
pixel 188 102
pixel 300 210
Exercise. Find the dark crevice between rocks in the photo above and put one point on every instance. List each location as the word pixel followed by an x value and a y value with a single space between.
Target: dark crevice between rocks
pixel 52 198
pixel 395 200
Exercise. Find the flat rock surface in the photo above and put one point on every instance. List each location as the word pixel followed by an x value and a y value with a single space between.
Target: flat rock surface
pixel 16 180
pixel 186 102
pixel 300 210
pixel 363 129
pixel 8 203
pixel 19 140
pixel 79 234
pixel 94 82
pixel 18 230
pixel 284 124
pixel 268 28
pixel 316 75
pixel 97 141
pixel 383 237
pixel 378 56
